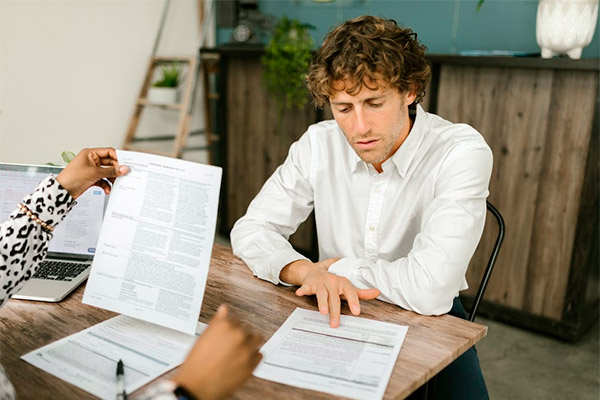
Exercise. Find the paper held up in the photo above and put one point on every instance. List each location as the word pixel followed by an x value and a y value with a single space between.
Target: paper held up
pixel 154 250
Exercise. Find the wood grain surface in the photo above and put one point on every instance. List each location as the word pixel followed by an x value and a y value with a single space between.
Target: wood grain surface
pixel 430 345
pixel 258 141
pixel 538 123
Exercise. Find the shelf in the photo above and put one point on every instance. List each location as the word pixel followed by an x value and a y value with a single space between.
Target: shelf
pixel 146 103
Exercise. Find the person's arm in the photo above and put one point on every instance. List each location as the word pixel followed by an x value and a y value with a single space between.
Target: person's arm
pixel 430 276
pixel 260 237
pixel 23 242
pixel 24 237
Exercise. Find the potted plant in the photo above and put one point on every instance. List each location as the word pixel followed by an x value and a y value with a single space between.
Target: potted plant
pixel 286 62
pixel 165 90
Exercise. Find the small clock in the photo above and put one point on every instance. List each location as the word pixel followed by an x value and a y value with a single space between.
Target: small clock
pixel 242 33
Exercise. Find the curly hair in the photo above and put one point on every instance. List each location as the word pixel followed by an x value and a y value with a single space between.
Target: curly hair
pixel 363 51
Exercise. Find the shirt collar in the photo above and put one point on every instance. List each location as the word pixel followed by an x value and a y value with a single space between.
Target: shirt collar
pixel 355 160
pixel 404 156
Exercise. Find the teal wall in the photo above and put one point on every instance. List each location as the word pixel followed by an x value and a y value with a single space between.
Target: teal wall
pixel 445 27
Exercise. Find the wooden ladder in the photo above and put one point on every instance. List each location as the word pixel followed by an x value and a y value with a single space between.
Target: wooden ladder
pixel 184 107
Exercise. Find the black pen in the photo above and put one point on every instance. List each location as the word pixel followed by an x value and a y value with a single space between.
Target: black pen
pixel 121 395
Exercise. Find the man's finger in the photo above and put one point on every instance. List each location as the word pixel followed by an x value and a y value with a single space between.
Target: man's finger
pixel 368 294
pixel 334 309
pixel 303 291
pixel 351 295
pixel 322 300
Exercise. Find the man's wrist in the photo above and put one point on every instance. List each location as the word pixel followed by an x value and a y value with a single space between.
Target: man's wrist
pixel 295 272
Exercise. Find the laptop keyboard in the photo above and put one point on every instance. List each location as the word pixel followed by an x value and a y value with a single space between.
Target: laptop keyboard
pixel 59 270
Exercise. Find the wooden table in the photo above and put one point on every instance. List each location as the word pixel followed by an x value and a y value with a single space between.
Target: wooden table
pixel 430 345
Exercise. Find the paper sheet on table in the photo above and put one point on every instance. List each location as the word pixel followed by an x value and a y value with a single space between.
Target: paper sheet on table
pixel 154 250
pixel 354 360
pixel 88 359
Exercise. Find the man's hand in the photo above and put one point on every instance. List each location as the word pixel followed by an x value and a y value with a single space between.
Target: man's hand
pixel 90 168
pixel 313 278
pixel 221 360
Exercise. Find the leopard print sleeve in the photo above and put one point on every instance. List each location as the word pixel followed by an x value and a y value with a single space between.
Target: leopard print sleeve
pixel 23 243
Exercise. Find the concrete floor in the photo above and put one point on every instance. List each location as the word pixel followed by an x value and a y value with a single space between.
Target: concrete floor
pixel 519 364
pixel 522 365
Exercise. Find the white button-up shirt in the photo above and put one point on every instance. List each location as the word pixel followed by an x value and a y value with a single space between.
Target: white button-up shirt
pixel 409 231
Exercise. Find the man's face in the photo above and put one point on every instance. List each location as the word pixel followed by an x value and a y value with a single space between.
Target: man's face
pixel 375 122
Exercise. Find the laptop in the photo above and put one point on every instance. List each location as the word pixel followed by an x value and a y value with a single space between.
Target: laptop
pixel 71 250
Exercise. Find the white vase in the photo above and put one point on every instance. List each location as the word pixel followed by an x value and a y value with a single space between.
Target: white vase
pixel 565 26
pixel 163 95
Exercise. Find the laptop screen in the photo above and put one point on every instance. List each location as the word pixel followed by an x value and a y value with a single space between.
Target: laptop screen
pixel 78 233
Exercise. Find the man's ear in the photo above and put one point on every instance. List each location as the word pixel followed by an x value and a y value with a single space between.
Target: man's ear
pixel 410 97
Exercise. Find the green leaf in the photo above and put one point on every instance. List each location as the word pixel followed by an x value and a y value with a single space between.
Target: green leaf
pixel 67 156
pixel 479 4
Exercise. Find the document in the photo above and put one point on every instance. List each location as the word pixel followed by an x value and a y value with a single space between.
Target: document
pixel 354 360
pixel 88 359
pixel 154 250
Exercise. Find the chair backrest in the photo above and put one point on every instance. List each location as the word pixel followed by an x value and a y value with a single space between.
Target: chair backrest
pixel 491 262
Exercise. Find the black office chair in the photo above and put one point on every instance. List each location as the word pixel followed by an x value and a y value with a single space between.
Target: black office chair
pixel 491 262
pixel 424 392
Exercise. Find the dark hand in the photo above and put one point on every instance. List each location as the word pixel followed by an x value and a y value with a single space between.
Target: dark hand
pixel 91 167
pixel 222 359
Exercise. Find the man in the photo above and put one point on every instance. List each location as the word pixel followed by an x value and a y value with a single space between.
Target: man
pixel 399 194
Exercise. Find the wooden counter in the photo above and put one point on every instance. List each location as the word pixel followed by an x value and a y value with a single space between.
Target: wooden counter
pixel 541 121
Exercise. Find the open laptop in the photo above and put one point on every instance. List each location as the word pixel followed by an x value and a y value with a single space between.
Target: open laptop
pixel 71 250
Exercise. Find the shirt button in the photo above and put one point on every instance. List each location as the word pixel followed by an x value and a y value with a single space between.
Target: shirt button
pixel 377 190
pixel 371 228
